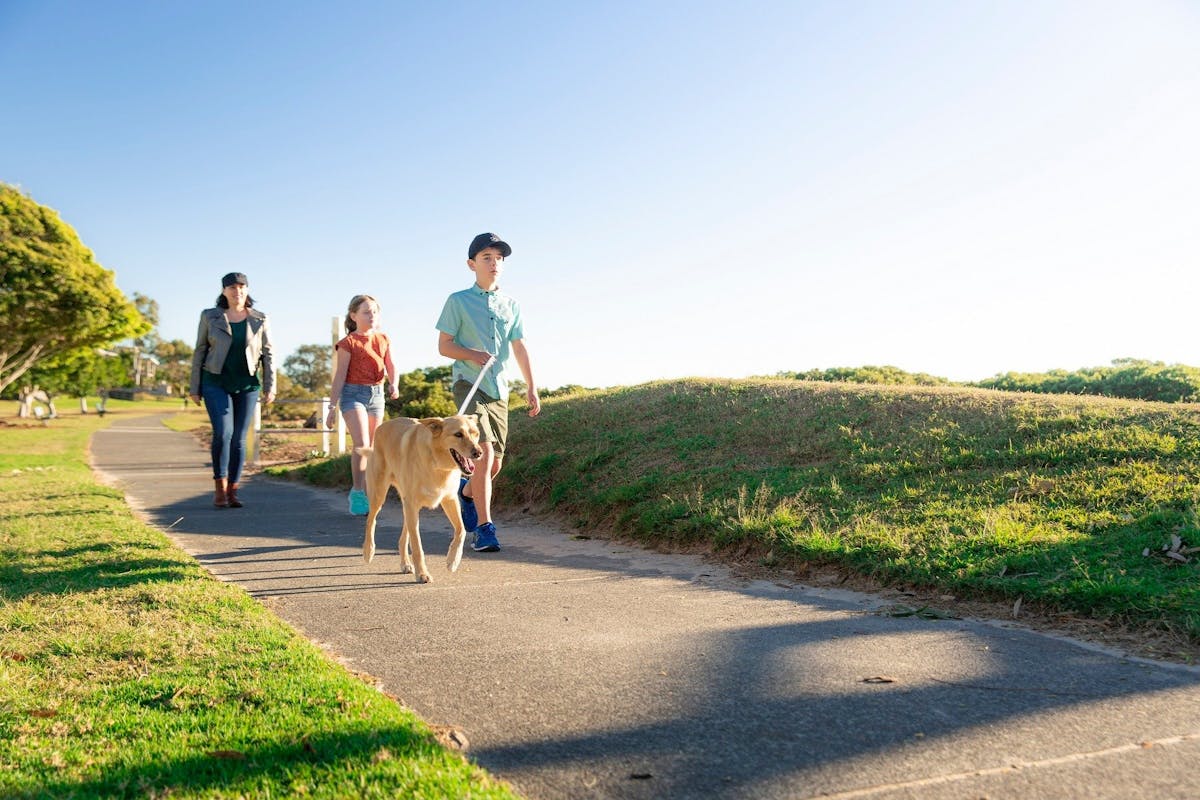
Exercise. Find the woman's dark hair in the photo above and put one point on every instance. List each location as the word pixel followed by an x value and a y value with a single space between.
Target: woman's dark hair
pixel 223 301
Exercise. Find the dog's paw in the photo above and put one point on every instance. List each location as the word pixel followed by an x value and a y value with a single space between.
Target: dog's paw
pixel 453 560
pixel 424 578
pixel 405 568
pixel 368 551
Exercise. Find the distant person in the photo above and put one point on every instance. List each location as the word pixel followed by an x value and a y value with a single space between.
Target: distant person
pixel 233 342
pixel 476 324
pixel 363 359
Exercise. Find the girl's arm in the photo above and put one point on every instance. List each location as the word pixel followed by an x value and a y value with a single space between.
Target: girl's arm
pixel 390 370
pixel 341 365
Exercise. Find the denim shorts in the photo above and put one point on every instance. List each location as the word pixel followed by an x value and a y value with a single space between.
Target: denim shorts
pixel 359 395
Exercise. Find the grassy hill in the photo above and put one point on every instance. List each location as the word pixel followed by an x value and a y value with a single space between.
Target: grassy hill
pixel 1054 500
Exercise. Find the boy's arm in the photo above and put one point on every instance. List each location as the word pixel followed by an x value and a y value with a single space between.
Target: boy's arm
pixel 531 393
pixel 452 349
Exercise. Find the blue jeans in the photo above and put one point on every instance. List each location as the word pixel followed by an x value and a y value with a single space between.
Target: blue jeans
pixel 230 415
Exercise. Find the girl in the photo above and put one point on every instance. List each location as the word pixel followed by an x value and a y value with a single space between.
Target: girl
pixel 364 359
pixel 233 342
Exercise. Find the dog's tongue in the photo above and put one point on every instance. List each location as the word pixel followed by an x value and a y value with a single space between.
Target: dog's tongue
pixel 465 465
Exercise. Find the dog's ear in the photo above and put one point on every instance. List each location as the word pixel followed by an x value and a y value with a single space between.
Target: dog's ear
pixel 470 421
pixel 435 425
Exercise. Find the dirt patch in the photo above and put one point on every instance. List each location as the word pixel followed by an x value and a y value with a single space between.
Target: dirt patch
pixel 30 424
pixel 288 448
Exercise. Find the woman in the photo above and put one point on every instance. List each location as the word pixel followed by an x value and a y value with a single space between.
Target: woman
pixel 233 341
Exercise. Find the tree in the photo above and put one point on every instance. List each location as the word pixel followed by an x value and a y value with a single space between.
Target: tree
pixel 175 364
pixel 310 368
pixel 868 374
pixel 54 296
pixel 80 372
pixel 148 308
pixel 424 393
pixel 1132 378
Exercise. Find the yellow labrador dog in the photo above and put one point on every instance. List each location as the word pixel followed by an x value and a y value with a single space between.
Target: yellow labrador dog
pixel 422 458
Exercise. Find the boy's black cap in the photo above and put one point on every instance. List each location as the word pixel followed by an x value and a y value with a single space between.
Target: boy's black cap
pixel 485 240
pixel 235 277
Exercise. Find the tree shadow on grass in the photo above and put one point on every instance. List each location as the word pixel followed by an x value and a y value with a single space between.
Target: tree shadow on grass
pixel 108 567
pixel 313 762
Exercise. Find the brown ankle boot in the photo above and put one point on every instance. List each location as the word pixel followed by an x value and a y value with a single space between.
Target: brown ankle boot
pixel 231 496
pixel 220 497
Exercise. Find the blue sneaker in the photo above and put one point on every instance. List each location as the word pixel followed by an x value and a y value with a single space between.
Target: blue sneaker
pixel 467 506
pixel 485 539
pixel 358 503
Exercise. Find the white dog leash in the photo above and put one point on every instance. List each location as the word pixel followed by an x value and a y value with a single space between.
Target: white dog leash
pixel 475 386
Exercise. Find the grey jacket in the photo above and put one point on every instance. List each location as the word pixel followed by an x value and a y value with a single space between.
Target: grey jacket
pixel 213 341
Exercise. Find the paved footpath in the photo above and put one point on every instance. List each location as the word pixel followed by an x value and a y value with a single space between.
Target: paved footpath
pixel 590 669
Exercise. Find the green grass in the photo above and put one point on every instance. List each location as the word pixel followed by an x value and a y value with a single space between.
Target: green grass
pixel 989 495
pixel 127 671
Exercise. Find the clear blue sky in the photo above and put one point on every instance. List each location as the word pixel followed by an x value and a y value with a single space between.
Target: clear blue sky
pixel 690 188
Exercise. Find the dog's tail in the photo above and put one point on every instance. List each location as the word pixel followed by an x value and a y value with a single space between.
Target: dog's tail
pixel 367 461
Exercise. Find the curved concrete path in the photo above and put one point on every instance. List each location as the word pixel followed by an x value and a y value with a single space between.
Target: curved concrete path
pixel 589 669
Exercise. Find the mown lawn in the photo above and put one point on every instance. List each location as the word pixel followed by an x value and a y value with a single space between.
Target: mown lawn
pixel 127 671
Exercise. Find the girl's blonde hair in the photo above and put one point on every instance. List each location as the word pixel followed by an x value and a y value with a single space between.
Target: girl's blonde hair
pixel 355 302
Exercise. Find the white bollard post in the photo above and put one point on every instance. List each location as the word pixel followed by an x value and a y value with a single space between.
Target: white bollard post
pixel 338 331
pixel 324 430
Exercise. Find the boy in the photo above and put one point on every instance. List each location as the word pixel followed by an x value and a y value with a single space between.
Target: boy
pixel 476 324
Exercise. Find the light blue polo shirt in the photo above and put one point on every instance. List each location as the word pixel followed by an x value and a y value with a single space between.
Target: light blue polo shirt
pixel 488 321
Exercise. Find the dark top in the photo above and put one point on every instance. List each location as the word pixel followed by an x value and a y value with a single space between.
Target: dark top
pixel 235 377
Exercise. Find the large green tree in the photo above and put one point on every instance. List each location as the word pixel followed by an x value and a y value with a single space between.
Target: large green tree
pixel 310 368
pixel 54 296
pixel 174 363
pixel 148 308
pixel 81 372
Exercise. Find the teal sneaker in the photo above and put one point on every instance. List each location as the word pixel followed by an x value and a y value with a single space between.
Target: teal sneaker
pixel 358 503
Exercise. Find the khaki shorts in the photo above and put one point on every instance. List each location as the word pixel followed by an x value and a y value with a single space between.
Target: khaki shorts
pixel 492 414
